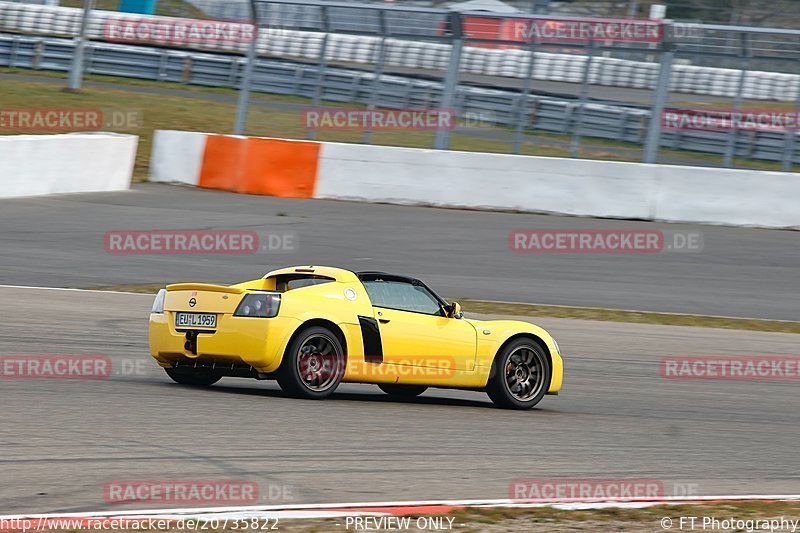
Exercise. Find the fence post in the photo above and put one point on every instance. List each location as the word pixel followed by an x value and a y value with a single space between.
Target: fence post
pixel 76 70
pixel 247 80
pixel 442 139
pixel 791 134
pixel 522 102
pixel 653 141
pixel 575 145
pixel 378 73
pixel 323 65
pixel 730 148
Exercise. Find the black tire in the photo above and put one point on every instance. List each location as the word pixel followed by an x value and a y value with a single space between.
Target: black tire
pixel 193 377
pixel 520 375
pixel 402 391
pixel 313 364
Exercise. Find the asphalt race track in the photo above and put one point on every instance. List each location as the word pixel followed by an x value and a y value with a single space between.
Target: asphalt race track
pixel 57 241
pixel 62 440
pixel 617 418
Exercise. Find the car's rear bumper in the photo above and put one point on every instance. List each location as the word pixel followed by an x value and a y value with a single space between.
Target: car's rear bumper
pixel 257 342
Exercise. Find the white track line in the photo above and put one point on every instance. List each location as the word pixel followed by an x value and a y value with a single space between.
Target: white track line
pixel 73 290
pixel 580 308
pixel 325 510
pixel 487 301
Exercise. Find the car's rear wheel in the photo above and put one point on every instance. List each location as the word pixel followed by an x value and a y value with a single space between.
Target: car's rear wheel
pixel 403 391
pixel 194 377
pixel 313 365
pixel 520 376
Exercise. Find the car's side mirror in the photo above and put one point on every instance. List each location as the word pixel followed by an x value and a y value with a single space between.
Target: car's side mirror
pixel 453 310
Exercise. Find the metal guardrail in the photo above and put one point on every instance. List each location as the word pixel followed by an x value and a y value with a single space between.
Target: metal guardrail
pixel 596 86
pixel 547 114
pixel 414 39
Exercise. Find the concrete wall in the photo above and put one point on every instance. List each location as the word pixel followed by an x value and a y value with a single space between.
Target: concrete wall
pixel 501 182
pixel 559 185
pixel 46 164
pixel 486 181
pixel 177 156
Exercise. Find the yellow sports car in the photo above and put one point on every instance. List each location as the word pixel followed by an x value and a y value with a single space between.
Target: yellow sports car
pixel 311 328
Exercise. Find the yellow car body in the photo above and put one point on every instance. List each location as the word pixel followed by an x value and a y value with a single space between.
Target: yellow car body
pixel 381 344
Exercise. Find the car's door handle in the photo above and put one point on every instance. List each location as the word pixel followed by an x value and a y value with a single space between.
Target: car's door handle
pixel 384 320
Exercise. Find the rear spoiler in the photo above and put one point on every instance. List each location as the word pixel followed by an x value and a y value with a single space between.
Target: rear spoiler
pixel 204 287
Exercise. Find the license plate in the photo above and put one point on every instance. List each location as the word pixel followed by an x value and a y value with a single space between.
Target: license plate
pixel 195 320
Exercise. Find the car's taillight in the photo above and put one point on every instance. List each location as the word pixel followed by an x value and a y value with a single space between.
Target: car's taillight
pixel 259 305
pixel 158 303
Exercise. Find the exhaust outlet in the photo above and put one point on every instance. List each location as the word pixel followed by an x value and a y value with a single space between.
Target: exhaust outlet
pixel 191 342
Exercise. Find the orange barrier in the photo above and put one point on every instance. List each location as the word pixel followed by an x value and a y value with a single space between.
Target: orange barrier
pixel 280 168
pixel 255 165
pixel 222 162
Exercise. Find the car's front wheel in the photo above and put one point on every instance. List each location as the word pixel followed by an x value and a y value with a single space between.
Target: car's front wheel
pixel 403 391
pixel 520 376
pixel 313 365
pixel 194 377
